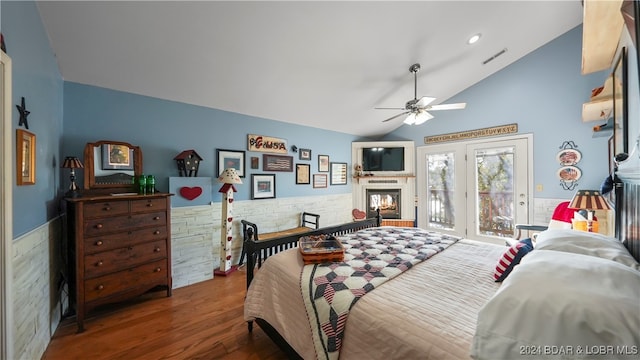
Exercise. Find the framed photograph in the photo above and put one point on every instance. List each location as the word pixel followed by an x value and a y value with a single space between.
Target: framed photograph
pixel 230 159
pixel 277 163
pixel 620 105
pixel 263 186
pixel 117 157
pixel 304 154
pixel 26 157
pixel 255 162
pixel 338 173
pixel 303 174
pixel 323 163
pixel 319 180
pixel 568 157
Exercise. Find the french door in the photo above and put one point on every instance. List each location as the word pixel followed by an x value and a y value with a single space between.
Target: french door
pixel 476 189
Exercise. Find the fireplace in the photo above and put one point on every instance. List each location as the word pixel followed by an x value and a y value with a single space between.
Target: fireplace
pixel 387 200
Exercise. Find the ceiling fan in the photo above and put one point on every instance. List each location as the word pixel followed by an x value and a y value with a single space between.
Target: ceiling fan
pixel 417 108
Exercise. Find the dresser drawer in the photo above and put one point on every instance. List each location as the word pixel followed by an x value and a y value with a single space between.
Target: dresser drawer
pixel 154 204
pixel 106 208
pixel 123 258
pixel 124 238
pixel 100 287
pixel 93 227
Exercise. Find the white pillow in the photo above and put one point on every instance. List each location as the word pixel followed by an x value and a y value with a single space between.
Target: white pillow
pixel 562 305
pixel 586 243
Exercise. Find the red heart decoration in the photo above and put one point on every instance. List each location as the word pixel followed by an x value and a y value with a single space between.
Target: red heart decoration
pixel 358 214
pixel 190 193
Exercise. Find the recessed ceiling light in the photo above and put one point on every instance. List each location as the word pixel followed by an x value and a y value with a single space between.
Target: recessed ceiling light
pixel 474 38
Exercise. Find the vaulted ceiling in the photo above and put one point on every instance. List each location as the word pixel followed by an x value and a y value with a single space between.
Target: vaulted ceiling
pixel 324 64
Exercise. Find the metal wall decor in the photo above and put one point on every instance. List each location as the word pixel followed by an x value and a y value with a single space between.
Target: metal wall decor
pixel 568 157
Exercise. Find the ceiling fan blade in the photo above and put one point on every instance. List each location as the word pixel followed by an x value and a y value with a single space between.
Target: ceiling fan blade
pixel 447 106
pixel 386 108
pixel 395 116
pixel 424 101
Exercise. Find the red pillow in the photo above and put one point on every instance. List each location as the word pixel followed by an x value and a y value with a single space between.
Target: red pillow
pixel 511 258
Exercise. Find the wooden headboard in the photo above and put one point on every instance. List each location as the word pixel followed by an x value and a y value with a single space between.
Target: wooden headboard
pixel 629 217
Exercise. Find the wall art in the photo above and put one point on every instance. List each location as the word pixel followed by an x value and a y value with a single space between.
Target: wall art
pixel 263 186
pixel 25 157
pixel 277 163
pixel 231 159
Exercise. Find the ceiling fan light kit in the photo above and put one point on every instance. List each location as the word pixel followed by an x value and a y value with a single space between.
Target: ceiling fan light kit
pixel 417 108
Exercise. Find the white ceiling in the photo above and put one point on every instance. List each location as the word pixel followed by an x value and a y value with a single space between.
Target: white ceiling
pixel 324 64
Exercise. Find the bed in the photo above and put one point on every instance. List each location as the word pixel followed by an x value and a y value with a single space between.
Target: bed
pixel 577 295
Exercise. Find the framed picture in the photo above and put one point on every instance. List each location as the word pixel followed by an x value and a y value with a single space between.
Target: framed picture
pixel 612 164
pixel 26 157
pixel 319 180
pixel 277 163
pixel 620 106
pixel 323 163
pixel 230 159
pixel 338 173
pixel 263 186
pixel 303 174
pixel 255 162
pixel 304 154
pixel 117 157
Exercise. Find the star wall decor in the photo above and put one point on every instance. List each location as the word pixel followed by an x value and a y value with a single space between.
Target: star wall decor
pixel 22 109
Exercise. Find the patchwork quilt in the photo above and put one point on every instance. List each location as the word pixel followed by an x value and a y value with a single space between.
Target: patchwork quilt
pixel 372 256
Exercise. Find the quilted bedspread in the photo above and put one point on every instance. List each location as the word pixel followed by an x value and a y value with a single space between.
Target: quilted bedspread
pixel 372 256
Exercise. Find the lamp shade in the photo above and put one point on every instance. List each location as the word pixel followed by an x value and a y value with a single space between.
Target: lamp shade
pixel 589 200
pixel 230 176
pixel 72 162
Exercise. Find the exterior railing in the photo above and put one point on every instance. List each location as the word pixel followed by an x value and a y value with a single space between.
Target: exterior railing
pixel 495 215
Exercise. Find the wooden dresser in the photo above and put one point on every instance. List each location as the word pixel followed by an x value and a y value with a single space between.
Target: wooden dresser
pixel 119 248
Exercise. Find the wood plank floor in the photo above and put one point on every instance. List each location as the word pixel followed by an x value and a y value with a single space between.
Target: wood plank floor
pixel 200 321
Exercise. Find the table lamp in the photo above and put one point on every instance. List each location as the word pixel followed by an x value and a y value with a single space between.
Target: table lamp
pixel 72 162
pixel 228 177
pixel 589 200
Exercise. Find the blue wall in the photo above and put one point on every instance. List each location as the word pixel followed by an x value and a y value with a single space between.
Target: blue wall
pixel 163 129
pixel 543 93
pixel 36 78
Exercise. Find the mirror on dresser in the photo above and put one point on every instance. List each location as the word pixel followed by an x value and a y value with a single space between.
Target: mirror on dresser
pixel 111 165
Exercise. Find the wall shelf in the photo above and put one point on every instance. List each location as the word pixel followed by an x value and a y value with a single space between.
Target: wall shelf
pixel 599 110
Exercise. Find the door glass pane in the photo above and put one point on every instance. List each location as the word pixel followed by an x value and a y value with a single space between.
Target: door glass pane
pixel 494 191
pixel 441 190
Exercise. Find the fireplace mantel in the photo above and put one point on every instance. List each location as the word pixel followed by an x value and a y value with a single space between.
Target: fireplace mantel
pixel 400 177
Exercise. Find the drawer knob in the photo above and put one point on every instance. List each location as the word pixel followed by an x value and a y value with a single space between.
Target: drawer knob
pixel 157 232
pixel 98 226
pixel 157 249
pixel 99 263
pixel 99 243
pixel 158 269
pixel 107 208
pixel 100 287
pixel 156 218
pixel 150 204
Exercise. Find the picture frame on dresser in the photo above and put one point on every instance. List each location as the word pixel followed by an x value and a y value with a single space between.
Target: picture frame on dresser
pixel 620 104
pixel 117 157
pixel 25 157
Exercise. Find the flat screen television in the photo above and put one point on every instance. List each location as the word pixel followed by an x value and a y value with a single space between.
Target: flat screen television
pixel 383 159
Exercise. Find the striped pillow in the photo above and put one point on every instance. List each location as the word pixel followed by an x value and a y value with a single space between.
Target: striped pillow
pixel 511 258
